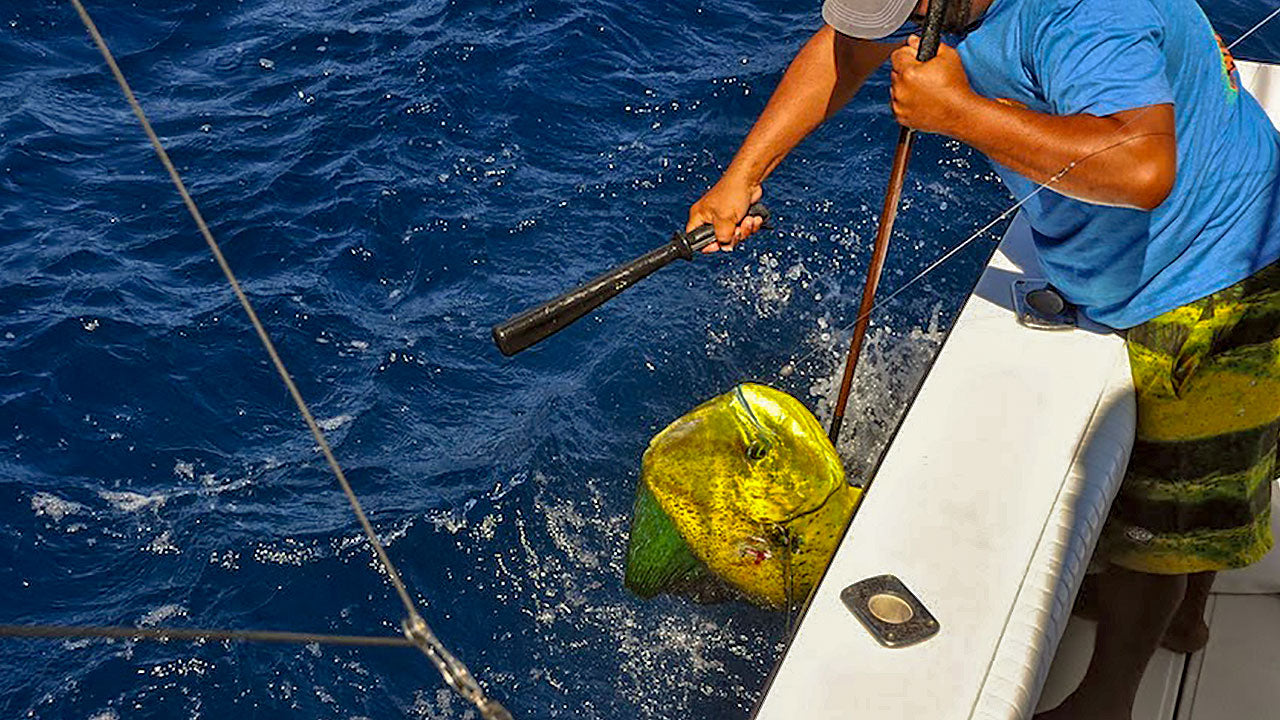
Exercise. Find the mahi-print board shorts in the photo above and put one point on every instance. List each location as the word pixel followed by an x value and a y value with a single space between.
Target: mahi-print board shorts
pixel 1197 495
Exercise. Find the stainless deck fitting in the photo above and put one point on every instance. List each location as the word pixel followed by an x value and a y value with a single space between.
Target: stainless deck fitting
pixel 893 615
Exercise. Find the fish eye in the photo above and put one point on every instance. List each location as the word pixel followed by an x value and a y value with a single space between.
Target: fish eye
pixel 758 449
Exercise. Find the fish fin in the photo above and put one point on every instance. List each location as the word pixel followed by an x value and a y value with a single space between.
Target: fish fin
pixel 658 559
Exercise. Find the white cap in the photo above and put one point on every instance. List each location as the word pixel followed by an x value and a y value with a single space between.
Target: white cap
pixel 867 19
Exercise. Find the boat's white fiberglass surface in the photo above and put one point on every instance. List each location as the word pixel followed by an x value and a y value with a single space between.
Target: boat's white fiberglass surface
pixel 987 506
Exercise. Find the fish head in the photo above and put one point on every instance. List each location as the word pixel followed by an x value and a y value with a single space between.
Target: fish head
pixel 787 467
pixel 754 487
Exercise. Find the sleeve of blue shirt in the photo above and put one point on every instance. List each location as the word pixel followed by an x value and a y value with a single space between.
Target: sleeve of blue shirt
pixel 1100 57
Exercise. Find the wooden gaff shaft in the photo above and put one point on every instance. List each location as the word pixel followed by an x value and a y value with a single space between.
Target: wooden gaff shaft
pixel 930 39
pixel 906 138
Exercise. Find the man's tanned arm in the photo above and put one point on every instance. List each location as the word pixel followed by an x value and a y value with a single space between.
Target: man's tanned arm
pixel 1128 159
pixel 824 75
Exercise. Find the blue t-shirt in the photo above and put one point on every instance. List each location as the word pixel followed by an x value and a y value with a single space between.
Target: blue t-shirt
pixel 1220 224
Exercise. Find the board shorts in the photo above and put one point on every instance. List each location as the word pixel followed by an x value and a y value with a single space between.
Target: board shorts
pixel 1197 493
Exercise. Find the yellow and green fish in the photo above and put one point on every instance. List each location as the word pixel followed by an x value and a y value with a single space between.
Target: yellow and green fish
pixel 744 492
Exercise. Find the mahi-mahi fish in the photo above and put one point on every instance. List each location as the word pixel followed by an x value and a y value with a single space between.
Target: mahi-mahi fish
pixel 745 492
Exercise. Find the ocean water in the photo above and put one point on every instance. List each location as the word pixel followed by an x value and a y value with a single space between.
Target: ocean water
pixel 390 179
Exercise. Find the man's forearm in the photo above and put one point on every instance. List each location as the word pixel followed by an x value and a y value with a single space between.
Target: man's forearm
pixel 1128 159
pixel 826 72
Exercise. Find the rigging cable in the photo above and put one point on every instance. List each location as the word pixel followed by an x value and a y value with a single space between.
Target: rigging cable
pixel 416 631
pixel 199 634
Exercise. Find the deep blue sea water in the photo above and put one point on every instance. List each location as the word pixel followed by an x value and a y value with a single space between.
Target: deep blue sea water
pixel 390 179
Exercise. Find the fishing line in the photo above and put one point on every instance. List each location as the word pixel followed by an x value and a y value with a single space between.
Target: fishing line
pixel 414 626
pixel 788 579
pixel 316 433
pixel 197 634
pixel 1255 28
pixel 790 367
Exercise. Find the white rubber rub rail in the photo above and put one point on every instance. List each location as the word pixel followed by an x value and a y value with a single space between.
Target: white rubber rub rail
pixel 1043 606
pixel 988 505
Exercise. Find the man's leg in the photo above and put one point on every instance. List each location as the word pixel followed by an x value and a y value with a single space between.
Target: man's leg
pixel 1188 632
pixel 1086 606
pixel 1134 612
pixel 1195 498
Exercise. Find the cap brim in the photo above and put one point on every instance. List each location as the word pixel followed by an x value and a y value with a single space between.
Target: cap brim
pixel 867 19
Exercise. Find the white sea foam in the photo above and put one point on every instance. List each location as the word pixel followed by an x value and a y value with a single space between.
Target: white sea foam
pixel 227 559
pixel 162 614
pixel 892 365
pixel 767 286
pixel 450 521
pixel 184 470
pixel 333 423
pixel 162 544
pixel 129 501
pixel 181 668
pixel 53 507
pixel 286 552
pixel 437 705
pixel 356 541
pixel 485 528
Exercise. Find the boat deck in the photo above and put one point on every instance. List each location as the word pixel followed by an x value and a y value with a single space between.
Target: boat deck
pixel 1234 677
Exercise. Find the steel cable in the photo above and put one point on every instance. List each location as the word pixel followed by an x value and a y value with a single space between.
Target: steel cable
pixel 415 627
pixel 197 634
